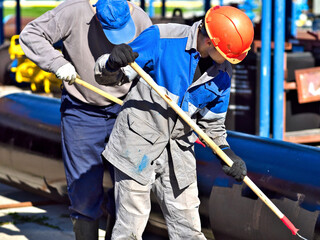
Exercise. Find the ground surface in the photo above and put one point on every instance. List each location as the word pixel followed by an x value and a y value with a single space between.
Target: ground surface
pixel 47 221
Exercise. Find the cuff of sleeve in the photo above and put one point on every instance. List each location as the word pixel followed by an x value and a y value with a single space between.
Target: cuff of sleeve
pixel 224 147
pixel 56 64
pixel 220 141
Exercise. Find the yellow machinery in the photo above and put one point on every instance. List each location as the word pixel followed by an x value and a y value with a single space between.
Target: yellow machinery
pixel 27 71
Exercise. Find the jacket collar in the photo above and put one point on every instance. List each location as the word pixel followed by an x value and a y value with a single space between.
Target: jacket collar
pixel 192 36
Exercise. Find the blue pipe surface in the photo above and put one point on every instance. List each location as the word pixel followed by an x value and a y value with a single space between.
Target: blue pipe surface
pixel 264 121
pixel 151 9
pixel 278 73
pixel 293 19
pixel 287 173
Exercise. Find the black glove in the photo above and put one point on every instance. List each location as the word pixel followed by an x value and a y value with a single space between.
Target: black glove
pixel 120 56
pixel 238 170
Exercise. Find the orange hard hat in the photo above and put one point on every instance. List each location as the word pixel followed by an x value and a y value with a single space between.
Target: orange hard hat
pixel 231 32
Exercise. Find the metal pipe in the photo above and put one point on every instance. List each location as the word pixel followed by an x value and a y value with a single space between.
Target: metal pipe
pixel 163 9
pixel 30 147
pixel 264 120
pixel 278 70
pixel 151 9
pixel 2 23
pixel 143 4
pixel 18 17
pixel 207 5
pixel 293 19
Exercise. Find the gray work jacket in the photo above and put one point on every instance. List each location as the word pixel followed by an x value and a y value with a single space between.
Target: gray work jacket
pixel 147 125
pixel 75 23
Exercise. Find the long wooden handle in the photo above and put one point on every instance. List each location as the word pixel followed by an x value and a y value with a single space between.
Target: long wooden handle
pixel 99 91
pixel 212 145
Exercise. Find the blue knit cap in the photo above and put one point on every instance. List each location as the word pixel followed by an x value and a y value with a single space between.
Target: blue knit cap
pixel 116 21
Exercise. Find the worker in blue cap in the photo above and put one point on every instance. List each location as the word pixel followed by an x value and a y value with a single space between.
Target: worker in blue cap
pixel 87 30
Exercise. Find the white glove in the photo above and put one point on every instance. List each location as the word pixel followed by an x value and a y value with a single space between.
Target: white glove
pixel 67 73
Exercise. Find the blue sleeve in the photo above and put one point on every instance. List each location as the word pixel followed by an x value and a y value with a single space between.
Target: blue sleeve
pixel 146 44
pixel 221 106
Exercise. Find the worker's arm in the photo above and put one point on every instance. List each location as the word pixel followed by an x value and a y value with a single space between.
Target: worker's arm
pixel 212 121
pixel 218 134
pixel 38 38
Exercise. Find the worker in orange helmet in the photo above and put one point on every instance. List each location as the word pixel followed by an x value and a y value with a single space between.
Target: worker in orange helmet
pixel 151 148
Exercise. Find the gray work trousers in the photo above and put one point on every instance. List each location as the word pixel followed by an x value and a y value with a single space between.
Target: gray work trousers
pixel 133 205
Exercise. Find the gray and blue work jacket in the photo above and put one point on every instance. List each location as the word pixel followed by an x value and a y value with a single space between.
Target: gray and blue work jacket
pixel 147 125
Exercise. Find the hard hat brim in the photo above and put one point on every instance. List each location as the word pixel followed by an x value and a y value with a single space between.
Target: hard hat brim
pixel 234 60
